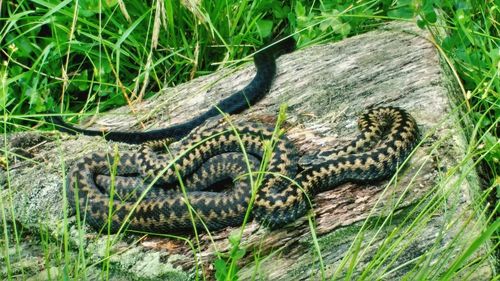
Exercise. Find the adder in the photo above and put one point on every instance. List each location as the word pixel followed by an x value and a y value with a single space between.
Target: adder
pixel 160 192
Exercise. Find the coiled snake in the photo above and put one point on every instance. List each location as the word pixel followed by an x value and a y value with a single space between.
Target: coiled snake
pixel 162 192
pixel 388 135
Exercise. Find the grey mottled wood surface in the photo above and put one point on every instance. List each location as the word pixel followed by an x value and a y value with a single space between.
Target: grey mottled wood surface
pixel 325 87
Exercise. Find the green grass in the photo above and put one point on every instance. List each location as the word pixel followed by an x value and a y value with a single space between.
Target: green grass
pixel 90 57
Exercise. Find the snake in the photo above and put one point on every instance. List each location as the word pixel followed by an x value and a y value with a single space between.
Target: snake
pixel 259 86
pixel 179 191
pixel 160 191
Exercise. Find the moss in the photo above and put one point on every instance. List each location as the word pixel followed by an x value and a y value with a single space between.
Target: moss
pixel 347 234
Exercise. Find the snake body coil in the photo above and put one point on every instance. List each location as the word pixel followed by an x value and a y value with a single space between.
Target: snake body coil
pixel 164 192
pixel 207 156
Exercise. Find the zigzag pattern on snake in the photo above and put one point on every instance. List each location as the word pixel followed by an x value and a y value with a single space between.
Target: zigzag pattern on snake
pixel 206 156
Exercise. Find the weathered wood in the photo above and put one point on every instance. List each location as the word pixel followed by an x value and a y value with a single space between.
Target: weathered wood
pixel 325 87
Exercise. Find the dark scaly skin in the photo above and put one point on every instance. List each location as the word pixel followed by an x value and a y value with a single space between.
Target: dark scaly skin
pixel 160 211
pixel 265 62
pixel 223 167
pixel 388 135
pixel 202 145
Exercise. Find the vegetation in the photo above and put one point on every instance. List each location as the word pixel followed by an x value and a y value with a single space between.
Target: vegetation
pixel 87 56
